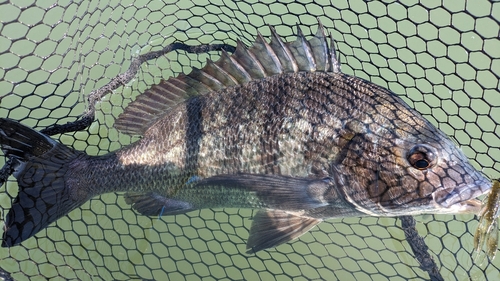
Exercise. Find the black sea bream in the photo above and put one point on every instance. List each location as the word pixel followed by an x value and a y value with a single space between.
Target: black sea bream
pixel 275 127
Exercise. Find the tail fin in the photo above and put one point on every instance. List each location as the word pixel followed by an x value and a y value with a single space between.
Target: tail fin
pixel 41 172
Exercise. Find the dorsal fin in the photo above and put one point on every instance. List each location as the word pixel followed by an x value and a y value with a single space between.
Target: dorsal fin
pixel 260 60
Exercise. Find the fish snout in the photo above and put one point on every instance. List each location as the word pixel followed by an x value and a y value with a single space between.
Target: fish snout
pixel 461 199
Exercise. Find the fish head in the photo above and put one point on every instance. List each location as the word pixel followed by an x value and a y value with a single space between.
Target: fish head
pixel 401 164
pixel 441 173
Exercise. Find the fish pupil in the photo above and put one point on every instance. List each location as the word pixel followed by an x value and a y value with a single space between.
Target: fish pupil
pixel 421 164
pixel 422 156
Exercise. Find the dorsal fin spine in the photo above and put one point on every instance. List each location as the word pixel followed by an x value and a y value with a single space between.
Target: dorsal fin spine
pixel 301 51
pixel 194 87
pixel 247 60
pixel 268 58
pixel 320 50
pixel 335 63
pixel 211 82
pixel 233 68
pixel 283 53
pixel 219 74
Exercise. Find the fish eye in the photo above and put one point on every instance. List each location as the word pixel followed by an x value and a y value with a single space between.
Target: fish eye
pixel 422 157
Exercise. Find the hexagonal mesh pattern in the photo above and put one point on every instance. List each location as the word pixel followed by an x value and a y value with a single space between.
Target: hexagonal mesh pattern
pixel 442 57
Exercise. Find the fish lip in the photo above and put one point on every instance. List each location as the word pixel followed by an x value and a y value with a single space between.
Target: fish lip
pixel 462 194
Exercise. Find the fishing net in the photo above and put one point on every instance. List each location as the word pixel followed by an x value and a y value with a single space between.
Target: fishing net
pixel 442 57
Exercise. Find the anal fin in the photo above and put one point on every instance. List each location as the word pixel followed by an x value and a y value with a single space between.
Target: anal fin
pixel 153 204
pixel 271 228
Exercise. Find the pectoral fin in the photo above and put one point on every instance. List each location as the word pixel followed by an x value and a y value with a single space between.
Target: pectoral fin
pixel 275 191
pixel 153 204
pixel 271 228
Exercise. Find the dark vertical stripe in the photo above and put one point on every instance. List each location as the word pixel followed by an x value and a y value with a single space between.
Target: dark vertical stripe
pixel 270 150
pixel 194 133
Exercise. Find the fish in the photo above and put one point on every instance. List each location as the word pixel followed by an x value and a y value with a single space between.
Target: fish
pixel 276 127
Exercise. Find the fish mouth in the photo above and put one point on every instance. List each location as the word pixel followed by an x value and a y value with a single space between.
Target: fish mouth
pixel 462 198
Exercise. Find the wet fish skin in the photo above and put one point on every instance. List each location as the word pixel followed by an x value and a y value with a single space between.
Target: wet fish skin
pixel 335 125
pixel 302 145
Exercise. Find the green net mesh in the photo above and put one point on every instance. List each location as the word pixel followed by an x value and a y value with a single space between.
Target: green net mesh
pixel 442 57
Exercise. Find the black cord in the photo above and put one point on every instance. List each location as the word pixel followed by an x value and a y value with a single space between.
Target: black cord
pixel 419 248
pixel 88 117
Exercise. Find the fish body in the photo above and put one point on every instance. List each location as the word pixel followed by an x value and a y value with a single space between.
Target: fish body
pixel 275 127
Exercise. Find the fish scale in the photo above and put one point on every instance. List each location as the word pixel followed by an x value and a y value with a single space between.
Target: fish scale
pixel 275 127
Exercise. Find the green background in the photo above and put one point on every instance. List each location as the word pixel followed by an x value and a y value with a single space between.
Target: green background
pixel 442 57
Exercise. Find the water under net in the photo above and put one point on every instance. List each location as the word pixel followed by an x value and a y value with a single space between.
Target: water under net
pixel 442 57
